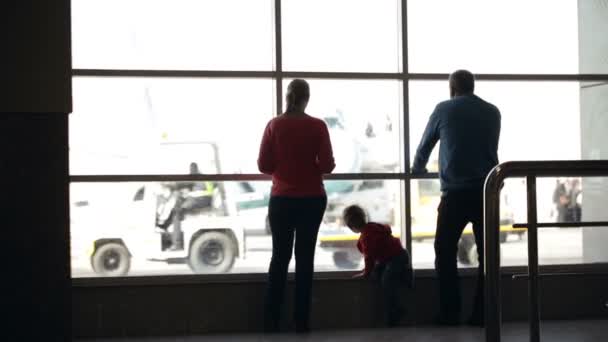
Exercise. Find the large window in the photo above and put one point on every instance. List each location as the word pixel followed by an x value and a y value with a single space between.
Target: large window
pixel 172 98
pixel 341 35
pixel 363 117
pixel 517 36
pixel 132 120
pixel 126 228
pixel 170 35
pixel 525 108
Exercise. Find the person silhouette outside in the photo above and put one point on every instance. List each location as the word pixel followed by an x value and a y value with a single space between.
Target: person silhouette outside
pixel 469 129
pixel 561 200
pixel 296 150
pixel 196 196
pixel 574 210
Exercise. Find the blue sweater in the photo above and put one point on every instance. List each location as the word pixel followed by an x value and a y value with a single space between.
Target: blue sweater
pixel 469 129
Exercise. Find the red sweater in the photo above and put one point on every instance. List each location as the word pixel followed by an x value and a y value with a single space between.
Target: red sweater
pixel 296 151
pixel 378 245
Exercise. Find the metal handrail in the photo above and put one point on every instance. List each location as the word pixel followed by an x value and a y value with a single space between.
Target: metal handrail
pixel 531 170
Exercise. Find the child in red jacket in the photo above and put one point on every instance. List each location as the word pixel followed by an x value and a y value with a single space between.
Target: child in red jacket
pixel 385 260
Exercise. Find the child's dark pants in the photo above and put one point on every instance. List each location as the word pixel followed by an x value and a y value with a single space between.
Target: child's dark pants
pixel 394 275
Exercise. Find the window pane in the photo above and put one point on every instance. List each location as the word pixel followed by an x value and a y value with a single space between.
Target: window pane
pixel 341 35
pixel 540 120
pixel 556 245
pixel 558 200
pixel 381 199
pixel 161 125
pixel 364 120
pixel 224 223
pixel 161 34
pixel 494 36
pixel 109 218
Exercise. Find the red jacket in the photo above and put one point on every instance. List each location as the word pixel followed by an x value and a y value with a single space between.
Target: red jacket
pixel 378 245
pixel 296 151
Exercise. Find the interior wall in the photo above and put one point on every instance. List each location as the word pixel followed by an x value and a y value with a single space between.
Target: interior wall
pixel 191 309
pixel 36 57
pixel 35 98
pixel 593 59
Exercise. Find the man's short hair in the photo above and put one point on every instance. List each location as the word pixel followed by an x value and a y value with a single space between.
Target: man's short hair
pixel 462 81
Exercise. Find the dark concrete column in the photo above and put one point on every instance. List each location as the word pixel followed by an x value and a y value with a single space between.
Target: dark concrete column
pixel 35 99
pixel 35 226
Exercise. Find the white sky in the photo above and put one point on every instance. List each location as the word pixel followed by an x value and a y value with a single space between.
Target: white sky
pixel 120 116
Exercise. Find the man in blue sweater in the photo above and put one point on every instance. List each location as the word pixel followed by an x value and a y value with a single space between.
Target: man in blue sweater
pixel 468 128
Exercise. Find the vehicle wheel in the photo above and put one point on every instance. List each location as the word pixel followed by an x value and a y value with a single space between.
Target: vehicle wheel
pixel 503 237
pixel 111 260
pixel 467 252
pixel 212 252
pixel 347 259
pixel 521 235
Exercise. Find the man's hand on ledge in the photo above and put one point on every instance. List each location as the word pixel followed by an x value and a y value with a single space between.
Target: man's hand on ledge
pixel 419 171
pixel 360 275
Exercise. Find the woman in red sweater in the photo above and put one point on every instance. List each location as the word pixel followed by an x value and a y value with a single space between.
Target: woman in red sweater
pixel 296 151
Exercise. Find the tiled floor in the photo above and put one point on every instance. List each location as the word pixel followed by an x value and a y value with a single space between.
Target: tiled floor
pixel 554 331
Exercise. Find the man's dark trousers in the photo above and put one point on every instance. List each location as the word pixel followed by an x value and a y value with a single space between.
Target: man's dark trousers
pixel 456 209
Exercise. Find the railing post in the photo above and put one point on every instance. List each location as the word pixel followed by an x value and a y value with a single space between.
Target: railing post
pixel 533 288
pixel 530 170
pixel 492 310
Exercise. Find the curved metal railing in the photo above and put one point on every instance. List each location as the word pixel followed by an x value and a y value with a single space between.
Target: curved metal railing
pixel 531 171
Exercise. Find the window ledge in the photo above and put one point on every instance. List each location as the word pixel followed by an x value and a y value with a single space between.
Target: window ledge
pixel 556 270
